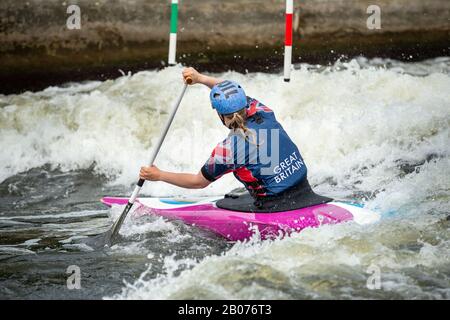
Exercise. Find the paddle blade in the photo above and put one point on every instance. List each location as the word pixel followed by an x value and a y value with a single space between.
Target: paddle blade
pixel 114 232
pixel 99 241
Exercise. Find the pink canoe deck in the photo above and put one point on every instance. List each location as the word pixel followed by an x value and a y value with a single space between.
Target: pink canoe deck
pixel 235 225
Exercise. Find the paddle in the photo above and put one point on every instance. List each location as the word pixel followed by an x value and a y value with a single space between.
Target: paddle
pixel 114 231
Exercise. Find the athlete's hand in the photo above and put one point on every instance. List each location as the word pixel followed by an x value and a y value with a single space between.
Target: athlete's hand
pixel 191 73
pixel 150 173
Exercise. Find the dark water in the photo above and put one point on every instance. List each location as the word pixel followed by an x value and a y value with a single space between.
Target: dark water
pixel 49 208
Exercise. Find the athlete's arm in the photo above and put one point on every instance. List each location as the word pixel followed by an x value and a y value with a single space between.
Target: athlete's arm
pixel 197 77
pixel 183 180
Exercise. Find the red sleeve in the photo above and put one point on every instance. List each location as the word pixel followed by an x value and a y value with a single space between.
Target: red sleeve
pixel 255 106
pixel 220 162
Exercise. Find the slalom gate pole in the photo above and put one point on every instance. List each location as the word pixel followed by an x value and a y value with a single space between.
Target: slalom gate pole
pixel 173 33
pixel 288 40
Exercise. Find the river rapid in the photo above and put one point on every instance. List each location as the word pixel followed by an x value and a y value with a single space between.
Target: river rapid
pixel 376 130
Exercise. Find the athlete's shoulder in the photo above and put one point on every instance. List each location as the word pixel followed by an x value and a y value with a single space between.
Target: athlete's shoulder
pixel 223 150
pixel 255 105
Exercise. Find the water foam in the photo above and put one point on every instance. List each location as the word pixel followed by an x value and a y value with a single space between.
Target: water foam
pixel 351 118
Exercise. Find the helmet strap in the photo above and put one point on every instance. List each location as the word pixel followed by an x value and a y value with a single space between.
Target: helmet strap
pixel 222 119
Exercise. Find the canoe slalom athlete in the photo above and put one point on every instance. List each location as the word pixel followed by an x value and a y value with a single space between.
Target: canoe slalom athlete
pixel 257 150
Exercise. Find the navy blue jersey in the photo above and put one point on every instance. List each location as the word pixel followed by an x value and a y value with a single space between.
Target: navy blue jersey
pixel 265 159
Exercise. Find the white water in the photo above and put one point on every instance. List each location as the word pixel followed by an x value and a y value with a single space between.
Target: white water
pixel 330 262
pixel 355 124
pixel 347 119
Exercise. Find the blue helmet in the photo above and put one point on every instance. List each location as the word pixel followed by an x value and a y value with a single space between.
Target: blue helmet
pixel 228 97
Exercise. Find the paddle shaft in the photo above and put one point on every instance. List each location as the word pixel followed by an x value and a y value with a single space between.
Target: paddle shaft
pixel 116 227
